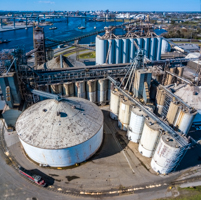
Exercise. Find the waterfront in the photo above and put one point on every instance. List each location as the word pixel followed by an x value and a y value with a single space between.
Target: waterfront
pixel 23 38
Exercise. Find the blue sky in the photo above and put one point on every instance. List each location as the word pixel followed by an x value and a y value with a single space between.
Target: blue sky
pixel 113 5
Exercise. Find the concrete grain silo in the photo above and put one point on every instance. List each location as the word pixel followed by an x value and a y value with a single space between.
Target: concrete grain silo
pixel 56 88
pixel 124 113
pixel 132 50
pixel 150 136
pixel 101 50
pixel 61 133
pixel 167 155
pixel 159 42
pixel 147 47
pixel 102 86
pixel 125 50
pixel 91 90
pixel 114 104
pixel 68 89
pixel 80 89
pixel 111 45
pixel 153 48
pixel 118 53
pixel 136 124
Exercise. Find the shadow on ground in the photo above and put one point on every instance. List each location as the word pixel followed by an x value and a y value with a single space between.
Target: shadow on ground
pixel 109 146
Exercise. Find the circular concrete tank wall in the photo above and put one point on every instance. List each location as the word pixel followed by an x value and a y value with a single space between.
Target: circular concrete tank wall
pixel 60 134
pixel 166 155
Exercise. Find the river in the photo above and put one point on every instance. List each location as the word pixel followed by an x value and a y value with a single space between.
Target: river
pixel 23 38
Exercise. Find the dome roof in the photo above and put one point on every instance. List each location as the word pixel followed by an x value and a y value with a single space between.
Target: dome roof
pixel 190 95
pixel 52 124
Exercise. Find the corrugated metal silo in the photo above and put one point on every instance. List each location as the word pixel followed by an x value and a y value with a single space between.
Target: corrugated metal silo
pixel 147 47
pixel 159 43
pixel 91 90
pixel 136 124
pixel 80 90
pixel 102 90
pixel 68 89
pixel 125 50
pixel 44 88
pixel 167 155
pixel 124 114
pixel 150 136
pixel 153 48
pixel 118 46
pixel 111 59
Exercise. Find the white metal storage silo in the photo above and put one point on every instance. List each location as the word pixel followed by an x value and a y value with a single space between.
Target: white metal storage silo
pixel 125 50
pixel 80 90
pixel 153 48
pixel 184 120
pixel 118 47
pixel 61 133
pixel 102 90
pixel 124 114
pixel 167 154
pixel 111 58
pixel 114 104
pixel 101 51
pixel 132 50
pixel 159 44
pixel 165 46
pixel 149 138
pixel 147 47
pixel 68 89
pixel 136 124
pixel 91 90
pixel 56 88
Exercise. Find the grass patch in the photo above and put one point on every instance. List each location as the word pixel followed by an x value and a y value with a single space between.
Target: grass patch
pixel 88 55
pixel 193 193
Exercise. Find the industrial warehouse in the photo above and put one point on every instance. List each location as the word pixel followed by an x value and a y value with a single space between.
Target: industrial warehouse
pixel 129 120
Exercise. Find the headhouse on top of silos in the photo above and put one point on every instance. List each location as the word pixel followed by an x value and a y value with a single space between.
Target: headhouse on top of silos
pixel 61 133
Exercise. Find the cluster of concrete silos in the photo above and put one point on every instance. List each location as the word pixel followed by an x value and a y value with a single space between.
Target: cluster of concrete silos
pixel 96 91
pixel 123 50
pixel 175 112
pixel 141 129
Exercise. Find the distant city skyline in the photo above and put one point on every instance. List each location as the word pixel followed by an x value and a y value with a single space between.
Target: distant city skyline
pixel 112 5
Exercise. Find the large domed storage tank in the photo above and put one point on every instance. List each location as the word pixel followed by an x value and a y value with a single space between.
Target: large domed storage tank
pixel 61 133
pixel 167 155
pixel 136 124
pixel 150 135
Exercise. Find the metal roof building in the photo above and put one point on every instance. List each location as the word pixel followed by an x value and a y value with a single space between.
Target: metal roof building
pixel 61 133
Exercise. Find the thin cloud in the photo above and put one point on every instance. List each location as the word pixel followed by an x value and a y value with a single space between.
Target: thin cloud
pixel 47 2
